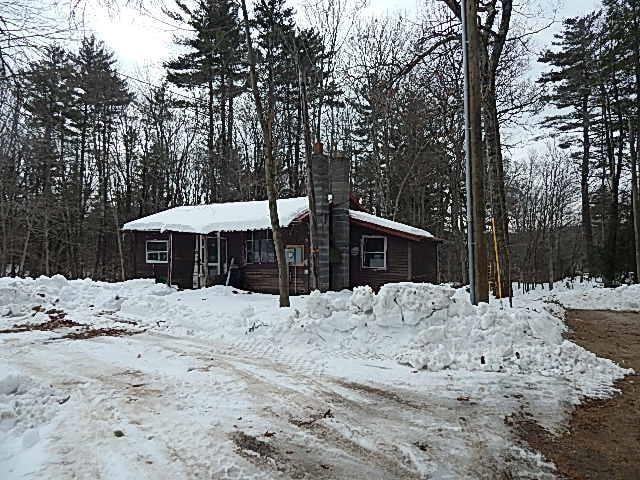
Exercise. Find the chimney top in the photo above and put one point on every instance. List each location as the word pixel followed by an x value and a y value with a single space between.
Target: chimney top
pixel 317 148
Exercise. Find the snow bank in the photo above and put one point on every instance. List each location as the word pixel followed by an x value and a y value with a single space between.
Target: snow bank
pixel 434 328
pixel 29 301
pixel 18 296
pixel 430 327
pixel 626 297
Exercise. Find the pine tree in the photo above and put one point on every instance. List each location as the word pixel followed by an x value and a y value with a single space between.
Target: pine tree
pixel 215 61
pixel 573 90
pixel 623 20
pixel 50 104
pixel 102 95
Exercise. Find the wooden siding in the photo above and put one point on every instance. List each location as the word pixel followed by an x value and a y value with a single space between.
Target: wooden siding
pixel 182 251
pixel 397 260
pixel 420 264
pixel 263 277
pixel 423 265
pixel 424 261
pixel 142 269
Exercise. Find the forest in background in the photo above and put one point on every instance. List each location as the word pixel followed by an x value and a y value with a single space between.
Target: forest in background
pixel 85 147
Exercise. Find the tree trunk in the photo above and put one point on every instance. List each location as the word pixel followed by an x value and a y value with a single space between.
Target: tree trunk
pixel 266 124
pixel 587 230
pixel 210 144
pixel 313 224
pixel 614 168
pixel 497 189
pixel 635 198
pixel 223 172
pixel 229 148
pixel 123 275
pixel 550 253
pixel 25 248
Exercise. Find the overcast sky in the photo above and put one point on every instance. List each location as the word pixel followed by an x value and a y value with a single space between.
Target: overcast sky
pixel 143 40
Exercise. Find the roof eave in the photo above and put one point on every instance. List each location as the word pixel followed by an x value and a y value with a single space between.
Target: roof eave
pixel 390 231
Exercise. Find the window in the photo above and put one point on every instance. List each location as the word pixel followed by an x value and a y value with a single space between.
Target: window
pixel 157 251
pixel 260 247
pixel 212 250
pixel 295 255
pixel 374 252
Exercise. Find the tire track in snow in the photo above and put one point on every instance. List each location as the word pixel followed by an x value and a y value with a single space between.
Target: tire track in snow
pixel 383 405
pixel 373 429
pixel 160 440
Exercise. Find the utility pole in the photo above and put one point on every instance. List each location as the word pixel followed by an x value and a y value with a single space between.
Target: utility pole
pixel 476 242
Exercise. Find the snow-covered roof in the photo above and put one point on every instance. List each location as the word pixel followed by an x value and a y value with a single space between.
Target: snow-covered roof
pixel 244 216
pixel 220 217
pixel 388 224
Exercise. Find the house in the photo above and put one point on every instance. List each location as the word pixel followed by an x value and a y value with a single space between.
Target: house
pixel 231 243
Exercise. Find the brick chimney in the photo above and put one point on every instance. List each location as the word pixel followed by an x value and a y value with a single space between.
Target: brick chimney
pixel 340 189
pixel 320 174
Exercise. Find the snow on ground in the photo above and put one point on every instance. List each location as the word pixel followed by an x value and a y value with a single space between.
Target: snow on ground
pixel 137 380
pixel 587 295
pixel 626 297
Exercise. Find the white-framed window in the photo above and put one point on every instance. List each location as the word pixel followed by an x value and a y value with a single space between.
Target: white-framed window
pixel 260 247
pixel 373 250
pixel 157 251
pixel 294 255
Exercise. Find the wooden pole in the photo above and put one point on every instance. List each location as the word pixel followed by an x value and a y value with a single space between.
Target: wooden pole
pixel 495 250
pixel 219 253
pixel 170 253
pixel 478 267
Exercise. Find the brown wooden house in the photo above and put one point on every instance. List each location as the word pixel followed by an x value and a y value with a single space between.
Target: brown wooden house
pixel 230 243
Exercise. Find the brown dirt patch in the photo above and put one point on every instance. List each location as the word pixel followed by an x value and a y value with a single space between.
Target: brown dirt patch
pixel 384 394
pixel 52 324
pixel 603 437
pixel 251 445
pixel 99 332
pixel 57 321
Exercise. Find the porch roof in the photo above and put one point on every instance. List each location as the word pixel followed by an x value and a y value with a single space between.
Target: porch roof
pixel 253 215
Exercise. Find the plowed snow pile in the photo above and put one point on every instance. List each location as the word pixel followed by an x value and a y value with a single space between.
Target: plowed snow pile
pixel 435 328
pixel 29 301
pixel 432 327
pixel 19 295
pixel 626 297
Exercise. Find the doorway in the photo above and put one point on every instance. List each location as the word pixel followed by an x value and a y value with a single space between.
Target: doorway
pixel 216 257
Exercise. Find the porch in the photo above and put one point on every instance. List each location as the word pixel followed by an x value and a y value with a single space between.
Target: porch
pixel 245 260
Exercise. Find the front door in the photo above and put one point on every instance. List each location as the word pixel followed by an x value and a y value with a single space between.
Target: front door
pixel 216 258
pixel 297 268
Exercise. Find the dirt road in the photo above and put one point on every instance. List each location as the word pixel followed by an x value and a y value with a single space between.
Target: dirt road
pixel 603 438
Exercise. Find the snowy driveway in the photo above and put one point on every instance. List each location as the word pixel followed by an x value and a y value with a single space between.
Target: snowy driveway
pixel 224 385
pixel 189 408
